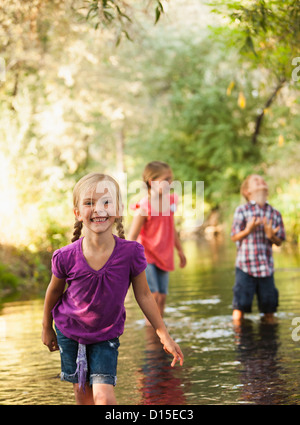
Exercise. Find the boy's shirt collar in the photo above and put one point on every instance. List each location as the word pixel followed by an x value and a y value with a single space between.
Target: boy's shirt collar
pixel 255 203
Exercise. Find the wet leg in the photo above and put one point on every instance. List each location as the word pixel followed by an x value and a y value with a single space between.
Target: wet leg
pixel 83 397
pixel 237 316
pixel 161 302
pixel 104 394
pixel 269 318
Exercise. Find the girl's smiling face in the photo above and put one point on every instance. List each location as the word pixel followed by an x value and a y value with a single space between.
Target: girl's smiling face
pixel 96 210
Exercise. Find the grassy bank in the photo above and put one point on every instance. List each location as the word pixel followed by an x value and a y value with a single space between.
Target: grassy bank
pixel 23 274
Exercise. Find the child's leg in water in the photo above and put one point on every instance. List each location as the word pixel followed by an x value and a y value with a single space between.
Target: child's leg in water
pixel 237 316
pixel 161 301
pixel 269 318
pixel 99 394
pixel 158 281
pixel 104 394
pixel 83 397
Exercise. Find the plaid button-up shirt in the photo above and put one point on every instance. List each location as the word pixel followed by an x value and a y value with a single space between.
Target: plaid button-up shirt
pixel 254 252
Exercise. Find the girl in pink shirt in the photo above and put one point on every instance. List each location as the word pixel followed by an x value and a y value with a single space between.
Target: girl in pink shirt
pixel 89 314
pixel 153 226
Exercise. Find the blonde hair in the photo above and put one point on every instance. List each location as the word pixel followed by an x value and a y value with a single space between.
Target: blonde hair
pixel 153 170
pixel 88 182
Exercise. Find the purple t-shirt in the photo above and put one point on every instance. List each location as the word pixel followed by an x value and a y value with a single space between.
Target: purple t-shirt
pixel 92 307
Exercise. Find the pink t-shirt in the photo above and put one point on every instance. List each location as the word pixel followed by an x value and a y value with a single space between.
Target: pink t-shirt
pixel 157 234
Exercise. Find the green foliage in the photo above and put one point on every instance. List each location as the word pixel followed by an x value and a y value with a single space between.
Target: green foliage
pixel 267 31
pixel 267 35
pixel 73 103
pixel 204 134
pixel 118 15
pixel 8 281
pixel 287 200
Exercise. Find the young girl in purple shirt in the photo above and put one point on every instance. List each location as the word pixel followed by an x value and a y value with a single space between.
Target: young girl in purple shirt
pixel 89 314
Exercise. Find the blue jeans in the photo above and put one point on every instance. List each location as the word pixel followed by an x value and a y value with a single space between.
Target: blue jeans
pixel 158 280
pixel 101 357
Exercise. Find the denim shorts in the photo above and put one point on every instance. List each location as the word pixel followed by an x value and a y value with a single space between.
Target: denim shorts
pixel 101 358
pixel 158 280
pixel 246 286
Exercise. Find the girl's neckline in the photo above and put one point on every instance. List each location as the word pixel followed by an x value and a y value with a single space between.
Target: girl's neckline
pixel 108 260
pixel 160 213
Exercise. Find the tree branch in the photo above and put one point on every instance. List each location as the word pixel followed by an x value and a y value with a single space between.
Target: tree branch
pixel 261 115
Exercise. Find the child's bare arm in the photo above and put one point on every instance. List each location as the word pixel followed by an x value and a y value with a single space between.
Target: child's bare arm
pixel 149 307
pixel 251 225
pixel 54 291
pixel 179 249
pixel 136 226
pixel 271 232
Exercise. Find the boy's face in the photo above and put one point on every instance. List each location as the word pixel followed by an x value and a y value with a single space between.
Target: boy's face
pixel 257 189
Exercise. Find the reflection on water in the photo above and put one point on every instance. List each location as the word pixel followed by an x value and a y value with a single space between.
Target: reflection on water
pixel 224 364
pixel 159 383
pixel 261 364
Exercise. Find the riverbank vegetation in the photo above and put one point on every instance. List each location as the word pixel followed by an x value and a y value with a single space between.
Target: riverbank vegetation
pixel 210 87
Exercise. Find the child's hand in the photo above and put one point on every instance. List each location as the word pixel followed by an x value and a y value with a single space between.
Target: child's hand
pixel 49 339
pixel 269 231
pixel 253 224
pixel 171 347
pixel 182 259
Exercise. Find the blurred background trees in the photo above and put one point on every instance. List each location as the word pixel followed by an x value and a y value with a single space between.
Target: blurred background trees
pixel 111 85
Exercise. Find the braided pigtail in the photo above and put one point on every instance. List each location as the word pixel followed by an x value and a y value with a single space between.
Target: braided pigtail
pixel 77 230
pixel 120 228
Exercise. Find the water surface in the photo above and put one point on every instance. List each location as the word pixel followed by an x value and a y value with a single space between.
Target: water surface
pixel 251 364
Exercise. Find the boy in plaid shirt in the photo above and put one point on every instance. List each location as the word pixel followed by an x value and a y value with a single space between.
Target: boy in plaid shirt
pixel 256 226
